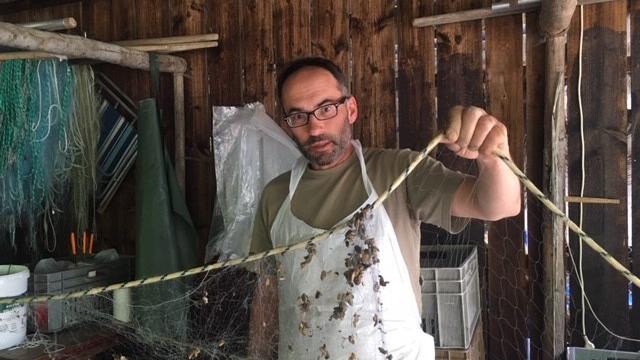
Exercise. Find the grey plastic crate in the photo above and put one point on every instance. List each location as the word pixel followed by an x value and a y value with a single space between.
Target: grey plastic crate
pixel 450 293
pixel 576 353
pixel 56 315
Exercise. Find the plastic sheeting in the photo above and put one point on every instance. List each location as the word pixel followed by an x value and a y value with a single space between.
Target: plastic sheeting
pixel 250 150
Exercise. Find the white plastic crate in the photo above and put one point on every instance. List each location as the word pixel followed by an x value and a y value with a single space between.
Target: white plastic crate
pixel 576 353
pixel 450 293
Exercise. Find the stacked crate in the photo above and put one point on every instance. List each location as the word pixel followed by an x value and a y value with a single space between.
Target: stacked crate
pixel 450 295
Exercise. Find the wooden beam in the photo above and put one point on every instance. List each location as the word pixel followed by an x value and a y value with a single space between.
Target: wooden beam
pixel 497 9
pixel 52 25
pixel 160 49
pixel 591 200
pixel 170 40
pixel 555 16
pixel 178 108
pixel 76 46
pixel 555 161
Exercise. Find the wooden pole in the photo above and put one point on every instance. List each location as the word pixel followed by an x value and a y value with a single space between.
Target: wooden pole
pixel 52 25
pixel 171 48
pixel 170 40
pixel 161 49
pixel 559 13
pixel 178 105
pixel 79 47
pixel 497 9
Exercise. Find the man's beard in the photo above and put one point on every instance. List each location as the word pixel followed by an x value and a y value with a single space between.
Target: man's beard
pixel 340 142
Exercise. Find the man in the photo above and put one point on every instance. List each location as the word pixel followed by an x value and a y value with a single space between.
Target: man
pixel 324 310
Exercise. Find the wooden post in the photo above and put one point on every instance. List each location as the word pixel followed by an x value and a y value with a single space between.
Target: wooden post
pixel 52 25
pixel 555 17
pixel 77 46
pixel 553 238
pixel 178 106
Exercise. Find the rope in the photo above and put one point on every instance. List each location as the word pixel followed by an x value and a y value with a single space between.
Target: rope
pixel 338 227
pixel 575 228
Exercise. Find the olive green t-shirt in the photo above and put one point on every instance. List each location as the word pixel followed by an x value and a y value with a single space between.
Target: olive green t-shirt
pixel 324 197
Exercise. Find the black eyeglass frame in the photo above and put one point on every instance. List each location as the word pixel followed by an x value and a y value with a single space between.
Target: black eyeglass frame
pixel 337 104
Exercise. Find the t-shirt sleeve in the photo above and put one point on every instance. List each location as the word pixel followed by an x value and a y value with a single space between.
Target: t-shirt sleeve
pixel 430 191
pixel 260 240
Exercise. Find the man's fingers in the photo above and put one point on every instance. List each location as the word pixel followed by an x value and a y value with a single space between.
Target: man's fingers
pixel 453 124
pixel 484 125
pixel 473 133
pixel 496 139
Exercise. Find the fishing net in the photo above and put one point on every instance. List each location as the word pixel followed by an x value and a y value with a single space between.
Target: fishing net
pixel 48 126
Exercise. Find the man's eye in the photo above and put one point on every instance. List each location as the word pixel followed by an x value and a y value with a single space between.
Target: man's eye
pixel 326 109
pixel 298 117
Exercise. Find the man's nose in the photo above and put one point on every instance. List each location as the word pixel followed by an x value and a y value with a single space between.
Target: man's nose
pixel 316 127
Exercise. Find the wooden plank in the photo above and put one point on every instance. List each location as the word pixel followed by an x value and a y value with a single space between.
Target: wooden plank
pixel 507 267
pixel 224 71
pixel 200 187
pixel 109 20
pixel 330 31
pixel 292 39
pixel 534 117
pixel 258 59
pixel 605 128
pixel 459 80
pixel 635 155
pixel 372 31
pixel 417 123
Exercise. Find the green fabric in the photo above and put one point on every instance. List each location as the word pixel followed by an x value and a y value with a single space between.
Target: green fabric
pixel 166 240
pixel 166 235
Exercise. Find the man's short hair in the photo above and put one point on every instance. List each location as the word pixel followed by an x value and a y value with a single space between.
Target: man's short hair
pixel 315 61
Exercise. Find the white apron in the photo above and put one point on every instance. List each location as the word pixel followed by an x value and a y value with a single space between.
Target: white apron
pixel 317 317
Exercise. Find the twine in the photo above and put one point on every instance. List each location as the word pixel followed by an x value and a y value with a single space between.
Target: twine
pixel 339 227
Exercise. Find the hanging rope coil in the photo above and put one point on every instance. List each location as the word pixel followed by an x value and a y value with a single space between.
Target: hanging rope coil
pixel 341 226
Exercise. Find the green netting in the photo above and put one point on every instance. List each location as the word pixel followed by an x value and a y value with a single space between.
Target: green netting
pixel 48 130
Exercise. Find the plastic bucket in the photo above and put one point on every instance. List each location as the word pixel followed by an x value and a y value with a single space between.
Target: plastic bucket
pixel 13 317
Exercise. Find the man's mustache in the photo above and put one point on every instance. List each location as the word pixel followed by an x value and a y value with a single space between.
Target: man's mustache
pixel 314 139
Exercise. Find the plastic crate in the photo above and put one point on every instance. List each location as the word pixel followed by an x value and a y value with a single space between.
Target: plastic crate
pixel 450 293
pixel 576 353
pixel 476 350
pixel 56 315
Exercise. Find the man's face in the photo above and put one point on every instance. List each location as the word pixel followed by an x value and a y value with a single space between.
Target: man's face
pixel 325 143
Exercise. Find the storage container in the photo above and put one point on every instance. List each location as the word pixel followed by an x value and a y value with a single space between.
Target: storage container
pixel 56 315
pixel 450 293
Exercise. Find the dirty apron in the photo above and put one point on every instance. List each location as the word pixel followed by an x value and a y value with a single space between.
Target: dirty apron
pixel 376 323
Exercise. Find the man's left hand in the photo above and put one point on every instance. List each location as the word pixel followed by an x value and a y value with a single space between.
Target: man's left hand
pixel 474 134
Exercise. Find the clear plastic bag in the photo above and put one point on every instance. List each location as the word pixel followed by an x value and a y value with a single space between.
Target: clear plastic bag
pixel 250 150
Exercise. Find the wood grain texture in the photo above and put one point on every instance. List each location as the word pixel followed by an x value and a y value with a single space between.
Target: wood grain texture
pixel 605 128
pixel 330 31
pixel 258 57
pixel 292 35
pixel 416 83
pixel 190 19
pixel 534 118
pixel 508 283
pixel 372 28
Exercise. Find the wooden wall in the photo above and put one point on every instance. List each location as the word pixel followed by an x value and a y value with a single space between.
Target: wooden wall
pixel 402 104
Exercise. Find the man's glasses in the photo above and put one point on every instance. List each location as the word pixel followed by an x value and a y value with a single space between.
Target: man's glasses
pixel 324 112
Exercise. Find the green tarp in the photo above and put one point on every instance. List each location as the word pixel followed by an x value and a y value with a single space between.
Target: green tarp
pixel 166 237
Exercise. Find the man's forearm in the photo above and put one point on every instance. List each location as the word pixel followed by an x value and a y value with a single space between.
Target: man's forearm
pixel 497 190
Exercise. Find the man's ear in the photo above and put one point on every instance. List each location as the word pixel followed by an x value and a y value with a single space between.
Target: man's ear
pixel 352 109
